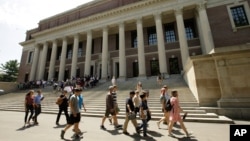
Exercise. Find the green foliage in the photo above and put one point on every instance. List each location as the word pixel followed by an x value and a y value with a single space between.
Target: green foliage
pixel 10 71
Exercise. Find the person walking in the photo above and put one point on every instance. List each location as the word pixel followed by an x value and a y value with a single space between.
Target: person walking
pixel 75 116
pixel 109 110
pixel 29 106
pixel 143 114
pixel 175 114
pixel 37 104
pixel 136 101
pixel 163 102
pixel 117 109
pixel 63 107
pixel 130 113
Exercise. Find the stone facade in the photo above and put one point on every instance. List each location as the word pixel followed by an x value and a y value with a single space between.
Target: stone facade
pixel 206 41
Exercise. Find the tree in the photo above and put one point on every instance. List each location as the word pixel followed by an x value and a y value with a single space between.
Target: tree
pixel 10 70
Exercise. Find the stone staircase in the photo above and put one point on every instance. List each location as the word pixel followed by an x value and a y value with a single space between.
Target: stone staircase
pixel 94 99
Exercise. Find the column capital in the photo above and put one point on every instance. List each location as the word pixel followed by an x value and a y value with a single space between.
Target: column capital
pixel 178 11
pixel 157 15
pixel 105 28
pixel 201 6
pixel 54 41
pixel 121 24
pixel 89 32
pixel 139 20
pixel 76 35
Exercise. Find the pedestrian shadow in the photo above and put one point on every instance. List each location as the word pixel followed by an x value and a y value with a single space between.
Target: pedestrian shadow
pixel 25 127
pixel 154 133
pixel 114 132
pixel 137 137
pixel 60 126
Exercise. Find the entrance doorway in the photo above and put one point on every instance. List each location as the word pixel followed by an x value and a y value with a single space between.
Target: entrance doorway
pixel 117 74
pixel 154 66
pixel 174 66
pixel 135 69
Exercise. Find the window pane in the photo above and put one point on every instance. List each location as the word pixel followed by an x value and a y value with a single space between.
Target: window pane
pixel 170 33
pixel 239 16
pixel 152 37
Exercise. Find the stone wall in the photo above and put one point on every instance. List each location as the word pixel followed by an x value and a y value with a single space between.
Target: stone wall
pixel 8 86
pixel 222 81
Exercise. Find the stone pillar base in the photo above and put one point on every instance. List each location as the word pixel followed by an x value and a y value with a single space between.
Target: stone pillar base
pixel 121 79
pixel 142 77
pixel 234 103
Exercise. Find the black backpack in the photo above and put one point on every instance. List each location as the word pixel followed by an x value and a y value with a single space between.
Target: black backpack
pixel 168 106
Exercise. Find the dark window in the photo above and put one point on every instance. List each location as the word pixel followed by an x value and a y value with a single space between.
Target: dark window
pixel 80 51
pixel 170 33
pixel 190 29
pixel 69 51
pixel 30 57
pixel 59 52
pixel 117 41
pixel 239 16
pixel 152 37
pixel 93 45
pixel 134 42
pixel 49 54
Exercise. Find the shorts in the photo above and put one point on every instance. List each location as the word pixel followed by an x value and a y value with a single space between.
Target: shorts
pixel 73 119
pixel 107 112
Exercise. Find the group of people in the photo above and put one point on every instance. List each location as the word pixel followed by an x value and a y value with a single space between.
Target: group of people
pixel 32 103
pixel 136 108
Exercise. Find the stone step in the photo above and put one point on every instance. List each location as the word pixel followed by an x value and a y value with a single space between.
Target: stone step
pixel 94 99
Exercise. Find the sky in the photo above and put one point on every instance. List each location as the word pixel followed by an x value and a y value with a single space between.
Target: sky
pixel 18 16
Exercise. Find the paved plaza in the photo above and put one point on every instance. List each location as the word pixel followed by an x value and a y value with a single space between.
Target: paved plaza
pixel 12 130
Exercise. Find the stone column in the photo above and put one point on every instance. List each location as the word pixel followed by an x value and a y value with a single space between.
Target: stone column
pixel 206 30
pixel 122 56
pixel 52 60
pixel 105 53
pixel 88 53
pixel 74 57
pixel 182 37
pixel 63 60
pixel 161 44
pixel 141 54
pixel 43 61
pixel 34 64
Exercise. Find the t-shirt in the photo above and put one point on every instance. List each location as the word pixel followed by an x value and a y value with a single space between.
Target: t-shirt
pixel 129 102
pixel 74 101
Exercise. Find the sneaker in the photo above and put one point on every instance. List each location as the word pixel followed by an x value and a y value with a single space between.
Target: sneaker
pixel 33 118
pixel 102 127
pixel 57 123
pixel 145 135
pixel 125 132
pixel 62 134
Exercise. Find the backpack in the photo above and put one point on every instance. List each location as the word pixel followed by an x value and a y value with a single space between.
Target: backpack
pixel 59 101
pixel 168 106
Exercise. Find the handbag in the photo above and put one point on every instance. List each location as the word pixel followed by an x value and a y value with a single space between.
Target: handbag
pixel 131 116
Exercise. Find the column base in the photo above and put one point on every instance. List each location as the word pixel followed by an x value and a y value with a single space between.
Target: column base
pixel 121 79
pixel 142 77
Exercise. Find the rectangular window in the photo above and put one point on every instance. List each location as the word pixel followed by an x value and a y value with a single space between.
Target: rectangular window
pixel 134 42
pixel 80 51
pixel 59 51
pixel 69 51
pixel 152 37
pixel 93 45
pixel 190 29
pixel 170 35
pixel 117 41
pixel 30 57
pixel 239 16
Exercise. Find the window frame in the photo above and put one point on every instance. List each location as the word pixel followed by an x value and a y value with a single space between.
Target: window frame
pixel 247 11
pixel 152 36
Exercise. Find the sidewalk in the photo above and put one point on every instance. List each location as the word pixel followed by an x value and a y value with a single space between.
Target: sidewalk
pixel 12 130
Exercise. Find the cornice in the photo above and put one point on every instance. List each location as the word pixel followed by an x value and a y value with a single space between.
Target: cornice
pixel 102 15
